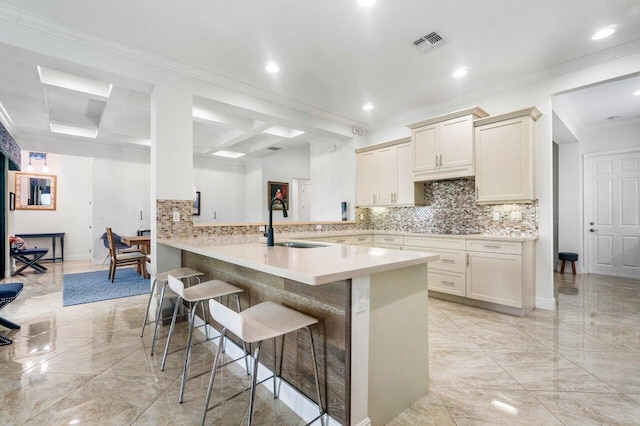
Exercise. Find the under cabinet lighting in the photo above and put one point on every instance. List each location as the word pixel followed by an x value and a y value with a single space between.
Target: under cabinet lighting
pixel 603 33
pixel 228 154
pixel 73 130
pixel 368 106
pixel 74 82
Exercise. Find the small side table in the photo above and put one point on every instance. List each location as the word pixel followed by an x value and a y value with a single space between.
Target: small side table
pixel 568 257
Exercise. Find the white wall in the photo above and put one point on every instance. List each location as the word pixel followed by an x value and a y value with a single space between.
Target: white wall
pixel 282 166
pixel 221 185
pixel 254 193
pixel 333 180
pixel 120 190
pixel 570 200
pixel 72 214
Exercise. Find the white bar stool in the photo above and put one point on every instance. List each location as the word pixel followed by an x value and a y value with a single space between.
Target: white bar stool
pixel 163 278
pixel 264 321
pixel 197 294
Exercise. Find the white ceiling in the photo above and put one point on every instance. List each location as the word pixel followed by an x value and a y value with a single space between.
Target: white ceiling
pixel 334 56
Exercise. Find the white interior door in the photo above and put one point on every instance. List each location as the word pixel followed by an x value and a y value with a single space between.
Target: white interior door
pixel 612 214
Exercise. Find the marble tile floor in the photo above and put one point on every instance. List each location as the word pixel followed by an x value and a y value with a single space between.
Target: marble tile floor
pixel 86 364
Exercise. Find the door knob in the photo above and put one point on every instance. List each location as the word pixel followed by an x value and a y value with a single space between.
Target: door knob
pixel 593 230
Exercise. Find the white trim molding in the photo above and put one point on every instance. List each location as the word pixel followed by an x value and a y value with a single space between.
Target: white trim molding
pixel 546 303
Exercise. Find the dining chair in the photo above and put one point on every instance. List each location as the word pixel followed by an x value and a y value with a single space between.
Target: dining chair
pixel 122 259
pixel 120 246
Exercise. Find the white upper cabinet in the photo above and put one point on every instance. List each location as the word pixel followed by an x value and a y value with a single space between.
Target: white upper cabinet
pixel 505 167
pixel 443 146
pixel 384 176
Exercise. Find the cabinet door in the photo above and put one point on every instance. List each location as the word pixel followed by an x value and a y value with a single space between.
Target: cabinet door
pixel 495 278
pixel 387 175
pixel 367 178
pixel 504 161
pixel 457 142
pixel 405 192
pixel 425 147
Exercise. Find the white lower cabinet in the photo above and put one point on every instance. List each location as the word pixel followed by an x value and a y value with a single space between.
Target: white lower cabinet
pixel 502 272
pixel 448 274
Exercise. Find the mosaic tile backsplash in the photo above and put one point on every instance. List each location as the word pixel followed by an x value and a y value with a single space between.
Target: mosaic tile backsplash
pixel 450 209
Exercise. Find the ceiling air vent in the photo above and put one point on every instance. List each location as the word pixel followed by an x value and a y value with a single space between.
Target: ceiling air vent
pixel 427 42
pixel 274 148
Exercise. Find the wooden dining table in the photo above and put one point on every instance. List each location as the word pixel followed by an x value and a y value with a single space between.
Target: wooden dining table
pixel 144 245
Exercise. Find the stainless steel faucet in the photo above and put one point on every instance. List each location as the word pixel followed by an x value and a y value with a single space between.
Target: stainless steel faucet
pixel 269 233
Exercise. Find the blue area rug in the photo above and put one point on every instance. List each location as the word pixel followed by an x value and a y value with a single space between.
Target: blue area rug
pixel 88 287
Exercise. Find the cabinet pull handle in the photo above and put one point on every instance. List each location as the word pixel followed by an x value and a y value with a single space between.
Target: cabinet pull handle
pixel 361 239
pixel 467 260
pixel 493 247
pixel 447 283
pixel 374 198
pixel 440 160
pixel 448 260
pixel 388 239
pixel 340 241
pixel 436 160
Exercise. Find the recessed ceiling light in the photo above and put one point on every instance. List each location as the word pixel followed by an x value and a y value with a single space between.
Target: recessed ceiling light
pixel 637 93
pixel 283 131
pixel 74 82
pixel 228 154
pixel 368 106
pixel 366 3
pixel 73 130
pixel 272 67
pixel 603 33
pixel 460 72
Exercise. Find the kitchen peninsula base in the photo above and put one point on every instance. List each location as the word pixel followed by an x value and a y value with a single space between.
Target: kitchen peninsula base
pixel 371 341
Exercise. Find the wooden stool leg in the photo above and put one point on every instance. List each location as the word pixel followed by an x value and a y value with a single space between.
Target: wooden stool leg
pixel 573 266
pixel 562 268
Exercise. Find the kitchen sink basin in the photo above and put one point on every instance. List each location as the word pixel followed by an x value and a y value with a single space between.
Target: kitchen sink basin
pixel 295 244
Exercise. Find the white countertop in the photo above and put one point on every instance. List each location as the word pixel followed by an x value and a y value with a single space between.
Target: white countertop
pixel 322 234
pixel 313 266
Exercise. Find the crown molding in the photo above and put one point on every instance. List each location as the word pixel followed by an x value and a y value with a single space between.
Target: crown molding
pixel 76 35
pixel 471 97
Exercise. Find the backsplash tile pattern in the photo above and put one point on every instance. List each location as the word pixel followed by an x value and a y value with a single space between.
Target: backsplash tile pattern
pixel 451 209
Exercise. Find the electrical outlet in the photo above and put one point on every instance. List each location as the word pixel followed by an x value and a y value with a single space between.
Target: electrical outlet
pixel 261 228
pixel 318 227
pixel 496 215
pixel 176 216
pixel 362 300
pixel 515 216
pixel 361 216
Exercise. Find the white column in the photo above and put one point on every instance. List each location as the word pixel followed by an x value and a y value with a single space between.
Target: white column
pixel 171 156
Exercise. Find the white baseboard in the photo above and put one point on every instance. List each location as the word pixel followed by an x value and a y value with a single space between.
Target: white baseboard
pixel 77 257
pixel 546 304
pixel 290 396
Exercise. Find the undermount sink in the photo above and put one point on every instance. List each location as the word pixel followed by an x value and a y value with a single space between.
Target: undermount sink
pixel 295 244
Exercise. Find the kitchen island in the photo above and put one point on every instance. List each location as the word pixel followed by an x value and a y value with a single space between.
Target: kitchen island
pixel 372 338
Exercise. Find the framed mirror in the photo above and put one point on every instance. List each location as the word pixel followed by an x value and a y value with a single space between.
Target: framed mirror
pixel 35 191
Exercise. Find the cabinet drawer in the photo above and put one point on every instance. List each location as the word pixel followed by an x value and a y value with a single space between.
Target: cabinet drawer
pixel 362 239
pixel 452 261
pixel 492 246
pixel 439 243
pixel 447 282
pixel 340 240
pixel 388 239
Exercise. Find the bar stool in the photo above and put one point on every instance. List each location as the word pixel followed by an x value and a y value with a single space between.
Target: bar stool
pixel 197 294
pixel 264 321
pixel 163 278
